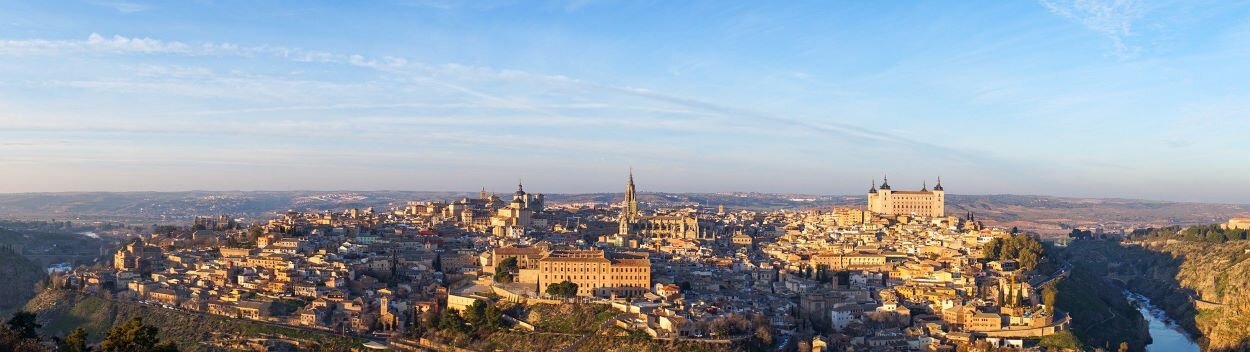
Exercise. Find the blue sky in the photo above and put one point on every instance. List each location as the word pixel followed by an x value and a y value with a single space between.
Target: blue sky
pixel 1139 99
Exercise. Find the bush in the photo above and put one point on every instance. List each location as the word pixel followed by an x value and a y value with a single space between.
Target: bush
pixel 1063 340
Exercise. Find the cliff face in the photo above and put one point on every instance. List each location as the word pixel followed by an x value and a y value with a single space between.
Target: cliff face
pixel 1217 279
pixel 1204 286
pixel 19 276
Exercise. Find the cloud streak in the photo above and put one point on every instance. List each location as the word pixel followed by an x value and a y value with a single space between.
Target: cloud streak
pixel 1113 19
pixel 497 102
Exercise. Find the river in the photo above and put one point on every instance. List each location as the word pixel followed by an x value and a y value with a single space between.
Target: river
pixel 1166 336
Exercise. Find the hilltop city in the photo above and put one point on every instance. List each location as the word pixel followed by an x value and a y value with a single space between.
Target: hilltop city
pixel 900 274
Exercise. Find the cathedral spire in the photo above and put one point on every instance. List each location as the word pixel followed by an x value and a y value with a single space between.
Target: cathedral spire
pixel 924 187
pixel 885 183
pixel 631 198
pixel 939 184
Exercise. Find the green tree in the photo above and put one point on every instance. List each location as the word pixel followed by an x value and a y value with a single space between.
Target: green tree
pixel 23 323
pixel 562 289
pixel 1025 249
pixel 1049 295
pixel 504 271
pixel 475 314
pixel 452 321
pixel 993 249
pixel 76 341
pixel 493 316
pixel 133 336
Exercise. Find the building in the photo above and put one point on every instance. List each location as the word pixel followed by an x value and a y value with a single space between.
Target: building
pixel 220 222
pixel 851 216
pixel 136 256
pixel 517 215
pixel 597 273
pixel 1241 223
pixel 848 261
pixel 886 201
pixel 530 201
pixel 681 226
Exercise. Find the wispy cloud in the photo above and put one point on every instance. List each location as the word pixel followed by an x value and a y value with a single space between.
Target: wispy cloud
pixel 1111 18
pixel 513 109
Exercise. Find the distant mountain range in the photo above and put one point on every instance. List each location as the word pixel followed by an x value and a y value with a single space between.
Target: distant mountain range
pixel 1037 213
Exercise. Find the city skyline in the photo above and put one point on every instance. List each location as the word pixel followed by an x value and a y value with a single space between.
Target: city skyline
pixel 1092 99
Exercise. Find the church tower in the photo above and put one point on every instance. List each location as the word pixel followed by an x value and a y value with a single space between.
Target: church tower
pixel 631 200
pixel 629 210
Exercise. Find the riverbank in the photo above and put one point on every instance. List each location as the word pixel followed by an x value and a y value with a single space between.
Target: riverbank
pixel 1101 317
pixel 1165 334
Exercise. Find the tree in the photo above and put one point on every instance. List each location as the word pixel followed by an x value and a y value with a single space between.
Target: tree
pixel 136 337
pixel 563 289
pixel 1025 249
pixel 503 271
pixel 1002 295
pixel 254 232
pixel 993 249
pixel 493 316
pixel 475 314
pixel 76 341
pixel 23 323
pixel 451 321
pixel 1049 296
pixel 10 341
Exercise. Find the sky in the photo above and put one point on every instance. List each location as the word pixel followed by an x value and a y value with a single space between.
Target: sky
pixel 1134 99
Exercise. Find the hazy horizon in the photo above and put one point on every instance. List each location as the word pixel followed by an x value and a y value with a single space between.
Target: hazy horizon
pixel 509 191
pixel 1091 99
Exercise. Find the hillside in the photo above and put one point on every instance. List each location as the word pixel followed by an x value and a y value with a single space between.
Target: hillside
pixel 61 311
pixel 1205 286
pixel 19 278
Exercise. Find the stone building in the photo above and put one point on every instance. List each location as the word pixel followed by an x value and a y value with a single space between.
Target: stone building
pixel 886 201
pixel 597 273
pixel 682 226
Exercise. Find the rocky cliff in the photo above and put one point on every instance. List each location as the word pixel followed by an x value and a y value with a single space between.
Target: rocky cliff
pixel 19 276
pixel 1204 286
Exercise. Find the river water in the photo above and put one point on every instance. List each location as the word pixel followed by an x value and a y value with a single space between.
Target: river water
pixel 1165 334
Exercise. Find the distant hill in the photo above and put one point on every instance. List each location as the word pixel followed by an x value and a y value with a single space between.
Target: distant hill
pixel 1049 215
